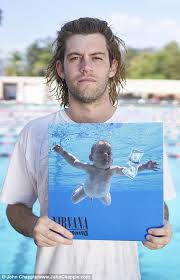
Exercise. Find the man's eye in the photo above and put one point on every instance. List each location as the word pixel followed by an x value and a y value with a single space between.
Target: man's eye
pixel 97 58
pixel 74 58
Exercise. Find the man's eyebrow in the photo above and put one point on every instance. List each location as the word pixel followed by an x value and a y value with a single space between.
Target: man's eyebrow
pixel 73 53
pixel 77 53
pixel 98 53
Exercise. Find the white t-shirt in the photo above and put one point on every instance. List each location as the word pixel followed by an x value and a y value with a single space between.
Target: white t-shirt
pixel 26 181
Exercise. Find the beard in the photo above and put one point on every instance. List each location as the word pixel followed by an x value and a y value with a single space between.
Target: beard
pixel 88 94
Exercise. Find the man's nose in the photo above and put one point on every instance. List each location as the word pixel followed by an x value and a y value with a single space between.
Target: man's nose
pixel 86 65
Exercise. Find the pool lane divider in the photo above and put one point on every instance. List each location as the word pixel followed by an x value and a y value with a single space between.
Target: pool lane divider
pixel 7 143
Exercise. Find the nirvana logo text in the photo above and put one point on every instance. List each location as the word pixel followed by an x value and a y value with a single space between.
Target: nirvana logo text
pixel 77 225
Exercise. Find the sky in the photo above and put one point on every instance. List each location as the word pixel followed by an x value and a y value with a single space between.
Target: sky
pixel 140 23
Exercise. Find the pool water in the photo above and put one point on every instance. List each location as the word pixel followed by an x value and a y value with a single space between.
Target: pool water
pixel 164 264
pixel 18 252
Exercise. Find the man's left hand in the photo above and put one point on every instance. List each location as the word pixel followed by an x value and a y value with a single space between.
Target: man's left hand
pixel 158 237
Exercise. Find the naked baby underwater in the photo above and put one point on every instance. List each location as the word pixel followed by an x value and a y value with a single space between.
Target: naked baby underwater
pixel 100 172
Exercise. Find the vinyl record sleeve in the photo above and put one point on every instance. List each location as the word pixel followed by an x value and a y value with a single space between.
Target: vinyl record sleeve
pixel 105 181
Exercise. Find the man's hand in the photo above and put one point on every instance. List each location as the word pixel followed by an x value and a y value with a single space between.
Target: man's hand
pixel 152 165
pixel 44 233
pixel 158 237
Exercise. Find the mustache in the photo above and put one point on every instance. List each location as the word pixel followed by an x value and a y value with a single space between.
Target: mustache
pixel 86 77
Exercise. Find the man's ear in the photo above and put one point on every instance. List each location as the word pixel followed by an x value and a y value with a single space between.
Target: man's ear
pixel 60 69
pixel 90 157
pixel 113 68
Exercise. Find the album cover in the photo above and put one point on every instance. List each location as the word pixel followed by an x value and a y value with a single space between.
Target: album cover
pixel 105 181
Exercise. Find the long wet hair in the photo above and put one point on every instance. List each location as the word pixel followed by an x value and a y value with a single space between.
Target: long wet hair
pixel 86 26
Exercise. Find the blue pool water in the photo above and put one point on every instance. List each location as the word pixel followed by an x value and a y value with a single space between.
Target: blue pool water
pixel 18 252
pixel 164 264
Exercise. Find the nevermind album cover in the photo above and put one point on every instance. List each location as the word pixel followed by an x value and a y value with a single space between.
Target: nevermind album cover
pixel 105 181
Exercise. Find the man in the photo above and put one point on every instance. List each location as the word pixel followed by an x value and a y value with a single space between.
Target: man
pixel 87 67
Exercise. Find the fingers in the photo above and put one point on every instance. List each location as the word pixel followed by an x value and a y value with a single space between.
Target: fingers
pixel 54 239
pixel 158 237
pixel 56 147
pixel 48 233
pixel 53 146
pixel 59 229
pixel 44 242
pixel 152 246
pixel 164 240
pixel 155 168
pixel 154 165
pixel 163 231
pixel 156 242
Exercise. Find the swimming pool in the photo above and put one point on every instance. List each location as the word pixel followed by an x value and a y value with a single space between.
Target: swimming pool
pixel 18 252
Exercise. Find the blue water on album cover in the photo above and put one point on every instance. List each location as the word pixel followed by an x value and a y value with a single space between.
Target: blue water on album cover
pixel 105 181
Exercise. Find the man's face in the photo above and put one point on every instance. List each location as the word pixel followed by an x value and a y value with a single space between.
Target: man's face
pixel 102 156
pixel 86 67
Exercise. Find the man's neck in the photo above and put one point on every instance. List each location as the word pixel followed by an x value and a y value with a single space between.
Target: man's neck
pixel 90 113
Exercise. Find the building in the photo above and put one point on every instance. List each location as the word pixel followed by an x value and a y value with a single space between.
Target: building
pixel 24 89
pixel 167 89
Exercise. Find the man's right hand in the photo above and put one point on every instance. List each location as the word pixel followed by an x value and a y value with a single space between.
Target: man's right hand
pixel 44 233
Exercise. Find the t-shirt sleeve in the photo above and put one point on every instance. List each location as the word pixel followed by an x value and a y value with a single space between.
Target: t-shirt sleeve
pixel 20 184
pixel 169 190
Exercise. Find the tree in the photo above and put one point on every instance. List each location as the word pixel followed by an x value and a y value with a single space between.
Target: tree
pixel 169 61
pixel 160 64
pixel 38 56
pixel 31 63
pixel 15 65
pixel 0 16
pixel 144 66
